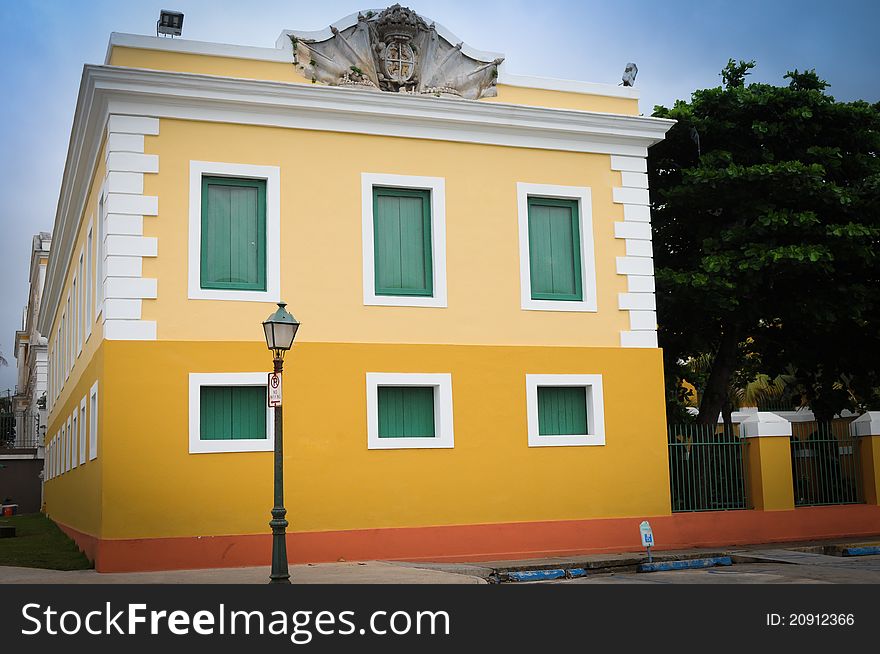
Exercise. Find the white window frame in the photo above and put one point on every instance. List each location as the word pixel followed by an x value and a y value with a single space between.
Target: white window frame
pixel 583 196
pixel 196 444
pixel 74 438
pixel 80 305
pixel 437 188
pixel 595 410
pixel 272 176
pixel 82 431
pixel 99 251
pixel 88 285
pixel 444 437
pixel 93 422
pixel 68 445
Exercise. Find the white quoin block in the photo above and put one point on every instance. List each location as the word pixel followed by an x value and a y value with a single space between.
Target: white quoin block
pixel 641 231
pixel 624 195
pixel 636 213
pixel 638 301
pixel 636 248
pixel 125 143
pixel 867 424
pixel 635 266
pixel 131 162
pixel 125 183
pixel 138 205
pixel 630 164
pixel 638 339
pixel 640 283
pixel 764 423
pixel 634 180
pixel 133 125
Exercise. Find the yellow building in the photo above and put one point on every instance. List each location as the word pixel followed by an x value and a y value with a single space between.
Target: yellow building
pixel 469 253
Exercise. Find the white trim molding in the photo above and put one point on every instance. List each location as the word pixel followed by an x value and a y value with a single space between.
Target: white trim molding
pixel 122 212
pixel 272 176
pixel 83 431
pixel 583 197
pixel 443 426
pixel 196 444
pixel 638 264
pixel 106 90
pixel 93 422
pixel 592 385
pixel 437 188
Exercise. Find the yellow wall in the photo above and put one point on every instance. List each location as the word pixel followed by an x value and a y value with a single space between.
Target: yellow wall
pixel 770 482
pixel 74 498
pixel 154 487
pixel 92 343
pixel 284 72
pixel 321 272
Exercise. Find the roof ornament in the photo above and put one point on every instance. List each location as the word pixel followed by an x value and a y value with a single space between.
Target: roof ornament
pixel 395 51
pixel 629 74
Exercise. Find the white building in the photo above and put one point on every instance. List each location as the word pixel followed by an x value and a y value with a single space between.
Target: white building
pixel 32 357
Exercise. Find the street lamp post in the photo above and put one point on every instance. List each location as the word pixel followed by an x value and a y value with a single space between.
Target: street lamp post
pixel 280 330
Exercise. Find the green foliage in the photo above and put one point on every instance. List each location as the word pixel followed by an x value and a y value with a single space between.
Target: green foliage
pixel 734 74
pixel 770 230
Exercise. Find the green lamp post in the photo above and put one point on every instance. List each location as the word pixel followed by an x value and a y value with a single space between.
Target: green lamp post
pixel 280 329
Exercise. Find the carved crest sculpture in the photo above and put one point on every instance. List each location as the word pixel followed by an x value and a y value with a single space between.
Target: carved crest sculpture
pixel 395 51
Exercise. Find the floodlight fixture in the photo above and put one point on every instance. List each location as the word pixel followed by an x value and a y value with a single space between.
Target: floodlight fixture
pixel 170 23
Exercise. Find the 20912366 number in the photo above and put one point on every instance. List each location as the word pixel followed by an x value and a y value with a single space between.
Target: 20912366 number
pixel 810 620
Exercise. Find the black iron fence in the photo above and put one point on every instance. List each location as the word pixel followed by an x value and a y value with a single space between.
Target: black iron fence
pixel 707 468
pixel 18 429
pixel 825 466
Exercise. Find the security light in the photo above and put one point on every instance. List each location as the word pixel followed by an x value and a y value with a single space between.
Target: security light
pixel 170 22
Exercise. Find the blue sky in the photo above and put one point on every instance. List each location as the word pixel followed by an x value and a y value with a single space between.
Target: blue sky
pixel 679 45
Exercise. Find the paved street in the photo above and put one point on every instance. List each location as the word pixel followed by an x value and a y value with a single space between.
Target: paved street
pixel 809 569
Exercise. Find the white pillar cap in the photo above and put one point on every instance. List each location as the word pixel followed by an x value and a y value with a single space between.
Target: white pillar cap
pixel 764 423
pixel 867 424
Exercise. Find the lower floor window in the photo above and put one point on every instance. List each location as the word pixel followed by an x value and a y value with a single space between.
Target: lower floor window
pixel 565 410
pixel 228 412
pixel 406 411
pixel 562 410
pixel 409 410
pixel 233 413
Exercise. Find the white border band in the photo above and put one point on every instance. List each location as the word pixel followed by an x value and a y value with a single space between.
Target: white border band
pixel 588 253
pixel 437 187
pixel 443 430
pixel 196 444
pixel 272 177
pixel 595 410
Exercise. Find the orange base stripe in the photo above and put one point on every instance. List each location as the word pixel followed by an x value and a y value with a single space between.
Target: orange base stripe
pixel 484 542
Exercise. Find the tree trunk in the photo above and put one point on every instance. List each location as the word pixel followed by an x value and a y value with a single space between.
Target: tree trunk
pixel 715 396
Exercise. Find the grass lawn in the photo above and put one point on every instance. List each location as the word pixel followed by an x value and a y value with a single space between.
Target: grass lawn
pixel 39 543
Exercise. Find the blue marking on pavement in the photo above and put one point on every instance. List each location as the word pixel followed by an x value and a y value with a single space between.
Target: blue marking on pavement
pixel 689 564
pixel 537 575
pixel 861 551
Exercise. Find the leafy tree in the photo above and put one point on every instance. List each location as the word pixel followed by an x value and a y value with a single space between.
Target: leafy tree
pixel 767 226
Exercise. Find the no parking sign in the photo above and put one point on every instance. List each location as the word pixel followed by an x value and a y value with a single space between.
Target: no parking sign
pixel 274 389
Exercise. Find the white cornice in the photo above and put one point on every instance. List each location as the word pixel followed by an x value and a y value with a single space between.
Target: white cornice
pixel 188 96
pixel 566 85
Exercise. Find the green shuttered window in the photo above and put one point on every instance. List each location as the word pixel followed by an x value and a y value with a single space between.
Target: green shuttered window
pixel 233 413
pixel 554 249
pixel 562 410
pixel 402 241
pixel 406 411
pixel 233 247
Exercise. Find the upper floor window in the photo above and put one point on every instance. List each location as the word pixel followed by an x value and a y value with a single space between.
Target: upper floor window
pixel 233 243
pixel 557 259
pixel 404 240
pixel 234 232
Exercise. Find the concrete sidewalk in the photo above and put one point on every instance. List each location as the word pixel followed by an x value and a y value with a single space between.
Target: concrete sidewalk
pixel 370 572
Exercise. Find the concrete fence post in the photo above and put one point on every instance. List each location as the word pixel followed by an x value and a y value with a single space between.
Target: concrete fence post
pixel 866 430
pixel 769 461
